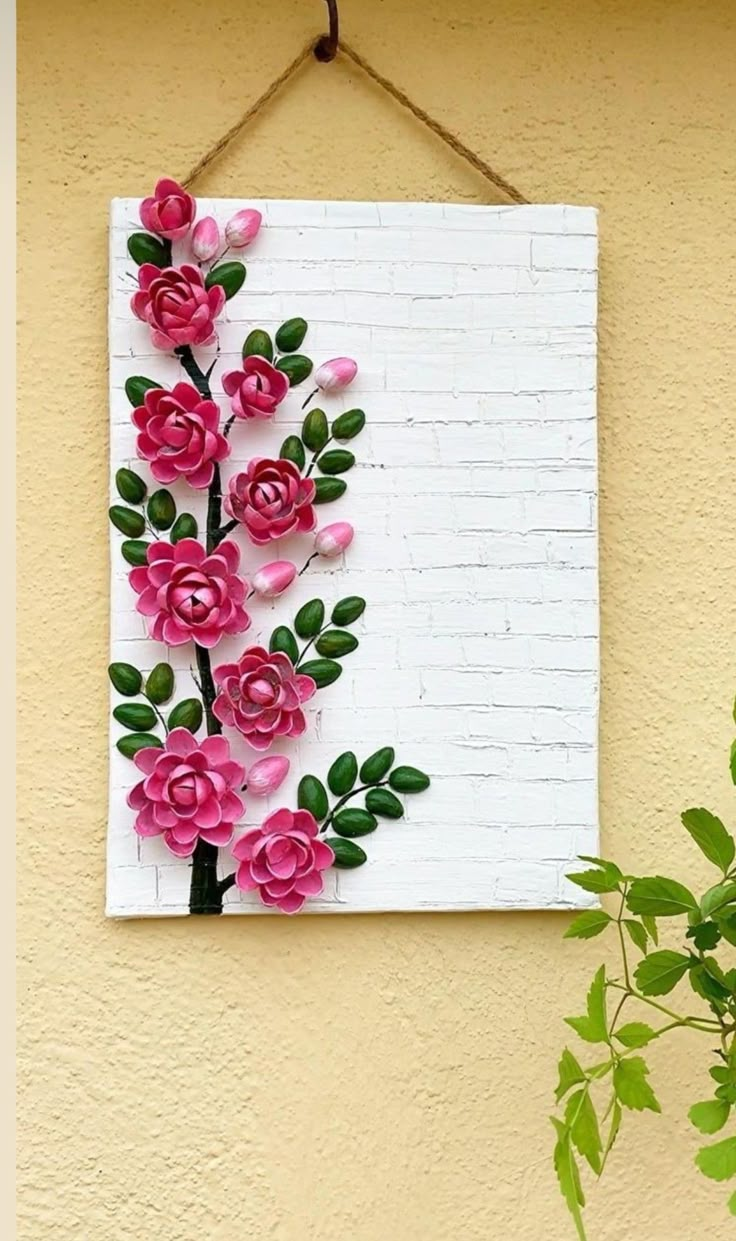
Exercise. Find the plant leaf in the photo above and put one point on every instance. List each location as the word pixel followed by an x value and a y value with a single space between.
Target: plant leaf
pixel 637 933
pixel 710 836
pixel 588 924
pixel 664 898
pixel 636 1034
pixel 568 1175
pixel 705 935
pixel 650 926
pixel 631 1085
pixel 595 880
pixel 658 973
pixel 709 1116
pixel 717 897
pixel 584 1132
pixel 593 1027
pixel 719 1160
pixel 570 1074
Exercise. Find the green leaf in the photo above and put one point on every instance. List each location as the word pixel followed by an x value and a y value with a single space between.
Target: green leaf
pixel 637 933
pixel 710 836
pixel 354 822
pixel 322 671
pixel 650 926
pixel 658 973
pixel 631 1085
pixel 229 276
pixel 336 461
pixel 732 1199
pixel 259 343
pixel 718 1161
pixel 709 1116
pixel 377 765
pixel 296 368
pixel 185 527
pixel 346 426
pixel 384 803
pixel 315 431
pixel 347 610
pixel 282 639
pixel 348 855
pixel 127 521
pixel 717 898
pixel 616 1116
pixel 135 715
pixel 568 1175
pixel 186 714
pixel 310 618
pixel 570 1073
pixel 312 796
pixel 292 449
pixel 408 780
pixel 636 1034
pixel 143 248
pixel 732 765
pixel 136 388
pixel 126 679
pixel 727 925
pixel 581 1119
pixel 708 987
pixel 664 898
pixel 131 486
pixel 705 935
pixel 595 880
pixel 160 684
pixel 161 509
pixel 290 335
pixel 593 1027
pixel 131 743
pixel 588 924
pixel 335 643
pixel 135 551
pixel 328 489
pixel 603 863
pixel 342 774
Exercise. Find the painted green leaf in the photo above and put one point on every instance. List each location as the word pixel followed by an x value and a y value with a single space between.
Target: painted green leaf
pixel 342 774
pixel 292 449
pixel 709 1116
pixel 584 1133
pixel 136 388
pixel 160 684
pixel 568 1175
pixel 322 671
pixel 348 855
pixel 636 933
pixel 310 618
pixel 131 743
pixel 282 639
pixel 259 343
pixel 594 880
pixel 347 610
pixel 329 489
pixel 290 336
pixel 593 1027
pixel 664 898
pixel 315 431
pixel 335 461
pixel 161 509
pixel 230 277
pixel 570 1073
pixel 126 679
pixel 127 521
pixel 143 248
pixel 185 527
pixel 137 716
pixel 658 973
pixel 710 836
pixel 631 1085
pixel 131 487
pixel 135 551
pixel 335 643
pixel 408 780
pixel 588 924
pixel 354 822
pixel 296 368
pixel 186 714
pixel 636 1034
pixel 312 796
pixel 384 803
pixel 346 426
pixel 377 765
pixel 718 1161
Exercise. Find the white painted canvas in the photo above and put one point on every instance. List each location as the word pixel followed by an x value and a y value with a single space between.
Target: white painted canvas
pixel 474 505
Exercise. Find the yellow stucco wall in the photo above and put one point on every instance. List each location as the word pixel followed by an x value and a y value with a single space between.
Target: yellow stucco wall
pixel 386 1078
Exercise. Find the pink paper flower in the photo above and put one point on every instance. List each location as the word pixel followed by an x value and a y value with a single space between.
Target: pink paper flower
pixel 332 540
pixel 188 595
pixel 176 306
pixel 180 435
pixel 189 792
pixel 257 389
pixel 271 580
pixel 336 374
pixel 262 695
pixel 283 860
pixel 242 228
pixel 170 211
pixel 271 499
pixel 205 239
pixel 267 775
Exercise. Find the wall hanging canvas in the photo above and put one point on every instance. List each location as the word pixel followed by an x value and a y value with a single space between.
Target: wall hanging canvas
pixel 354 622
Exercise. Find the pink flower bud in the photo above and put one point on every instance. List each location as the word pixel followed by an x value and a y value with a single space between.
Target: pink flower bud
pixel 273 579
pixel 332 540
pixel 336 374
pixel 206 239
pixel 242 228
pixel 266 775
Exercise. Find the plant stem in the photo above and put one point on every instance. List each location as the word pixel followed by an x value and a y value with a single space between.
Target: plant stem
pixel 307 563
pixel 363 788
pixel 621 936
pixel 693 1023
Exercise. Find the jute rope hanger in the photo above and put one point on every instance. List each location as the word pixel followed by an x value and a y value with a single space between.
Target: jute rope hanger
pixel 326 49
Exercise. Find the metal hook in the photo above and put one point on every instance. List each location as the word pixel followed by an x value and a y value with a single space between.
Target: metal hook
pixel 325 49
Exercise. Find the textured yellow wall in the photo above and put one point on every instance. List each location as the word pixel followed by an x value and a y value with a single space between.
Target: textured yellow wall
pixel 387 1077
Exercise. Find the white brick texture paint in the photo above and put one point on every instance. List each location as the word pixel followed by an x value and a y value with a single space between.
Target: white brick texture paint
pixel 474 504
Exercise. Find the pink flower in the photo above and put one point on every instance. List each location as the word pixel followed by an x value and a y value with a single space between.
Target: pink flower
pixel 179 435
pixel 205 239
pixel 267 775
pixel 271 580
pixel 188 793
pixel 170 211
pixel 262 695
pixel 283 860
pixel 336 374
pixel 242 228
pixel 257 389
pixel 189 595
pixel 332 540
pixel 271 499
pixel 176 306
